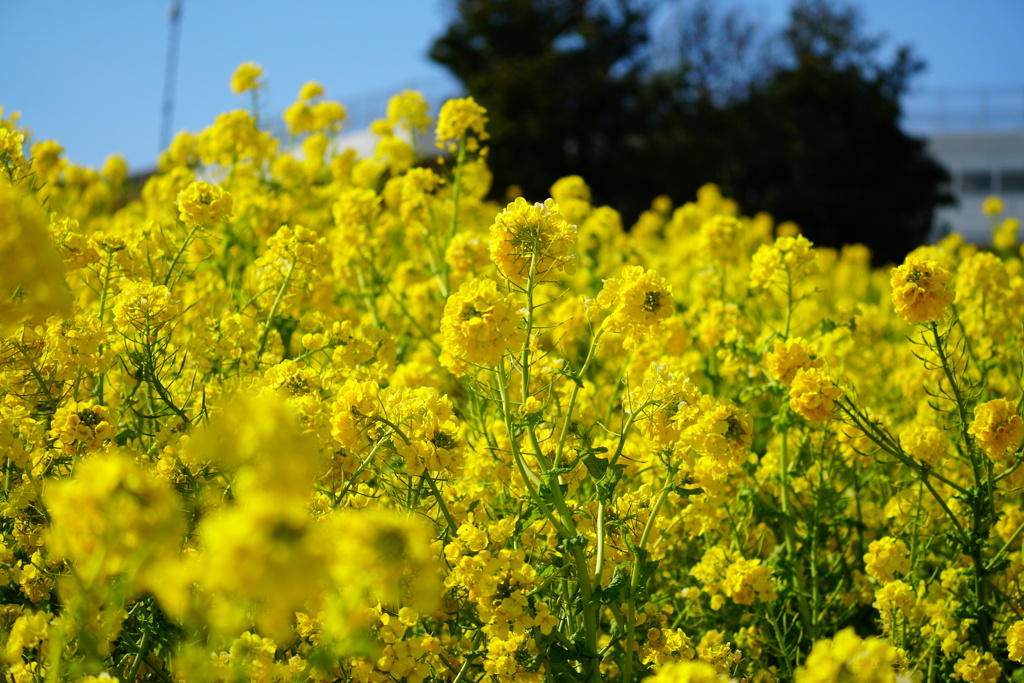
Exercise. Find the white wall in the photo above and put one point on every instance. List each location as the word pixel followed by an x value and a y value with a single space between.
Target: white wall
pixel 981 164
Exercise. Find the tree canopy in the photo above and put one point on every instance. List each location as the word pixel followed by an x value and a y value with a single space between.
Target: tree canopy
pixel 802 122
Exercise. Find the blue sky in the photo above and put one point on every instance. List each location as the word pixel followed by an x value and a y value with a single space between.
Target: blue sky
pixel 90 74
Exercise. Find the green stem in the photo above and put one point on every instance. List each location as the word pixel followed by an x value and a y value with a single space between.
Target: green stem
pixel 625 431
pixel 435 256
pixel 982 483
pixel 789 533
pixel 566 530
pixel 524 365
pixel 462 672
pixel 889 445
pixel 960 406
pixel 572 399
pixel 634 580
pixel 368 296
pixel 440 502
pixel 1006 547
pixel 157 669
pixel 8 474
pixel 530 480
pixel 359 470
pixel 56 653
pixel 589 615
pixel 154 381
pixel 916 538
pixel 599 562
pixel 43 389
pixel 106 286
pixel 181 250
pixel 415 323
pixel 138 658
pixel 964 538
pixel 273 312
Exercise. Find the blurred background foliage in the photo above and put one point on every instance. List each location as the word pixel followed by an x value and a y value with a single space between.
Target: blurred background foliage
pixel 802 122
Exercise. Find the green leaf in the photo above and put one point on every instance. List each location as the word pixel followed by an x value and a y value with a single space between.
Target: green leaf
pixel 616 589
pixel 596 466
pixel 606 485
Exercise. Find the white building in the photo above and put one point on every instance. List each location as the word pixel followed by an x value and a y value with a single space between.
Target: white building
pixel 981 164
pixel 978 134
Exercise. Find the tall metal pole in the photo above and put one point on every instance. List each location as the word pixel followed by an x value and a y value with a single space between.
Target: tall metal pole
pixel 170 74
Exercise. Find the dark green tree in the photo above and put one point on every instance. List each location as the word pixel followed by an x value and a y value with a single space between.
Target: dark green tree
pixel 803 123
pixel 819 141
pixel 564 84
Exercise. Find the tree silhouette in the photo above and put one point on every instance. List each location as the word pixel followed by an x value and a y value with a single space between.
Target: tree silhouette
pixel 803 123
pixel 819 141
pixel 563 83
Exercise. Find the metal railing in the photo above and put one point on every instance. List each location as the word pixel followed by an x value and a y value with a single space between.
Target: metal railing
pixel 926 111
pixel 966 109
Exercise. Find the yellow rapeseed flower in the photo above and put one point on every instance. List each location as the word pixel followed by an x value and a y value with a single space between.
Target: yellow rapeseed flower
pixel 1015 641
pixel 246 77
pixel 814 395
pixel 789 357
pixel 31 278
pixel 895 602
pixel 887 557
pixel 458 118
pixel 997 427
pixel 409 109
pixel 532 238
pixel 12 154
pixel 428 422
pixel 309 90
pixel 80 424
pixel 926 444
pixel 786 262
pixel 639 301
pixel 479 325
pixel 204 204
pixel 978 667
pixel 719 433
pixel 687 672
pixel 573 196
pixel 720 238
pixel 114 516
pixel 144 307
pixel 921 290
pixel 847 657
pixel 29 630
pixel 992 206
pixel 1005 237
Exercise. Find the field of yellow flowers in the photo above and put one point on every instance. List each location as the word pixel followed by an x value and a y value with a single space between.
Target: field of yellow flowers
pixel 287 414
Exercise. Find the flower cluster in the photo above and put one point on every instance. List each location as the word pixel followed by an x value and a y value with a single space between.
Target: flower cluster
pixel 458 119
pixel 246 77
pixel 292 413
pixel 788 261
pixel 789 357
pixel 532 242
pixel 639 301
pixel 998 428
pixel 813 394
pixel 203 204
pixel 479 325
pixel 886 557
pixel 921 290
pixel 724 575
pixel 847 656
